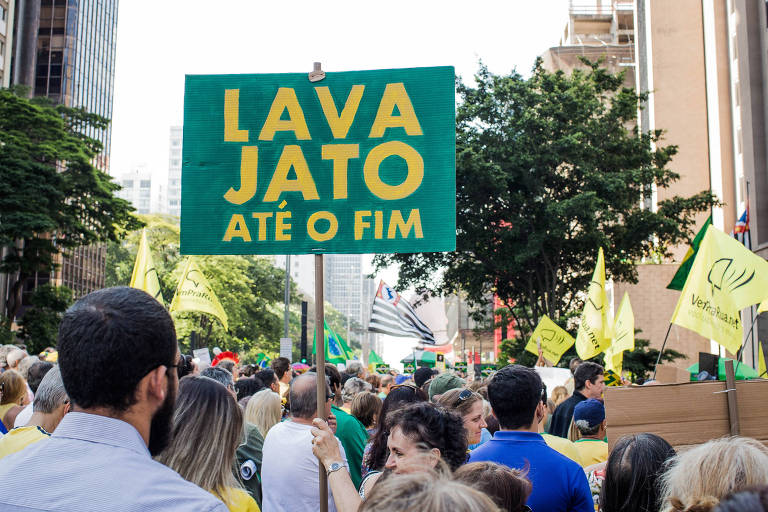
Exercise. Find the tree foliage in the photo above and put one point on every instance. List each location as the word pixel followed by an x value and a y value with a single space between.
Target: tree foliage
pixel 52 198
pixel 251 291
pixel 40 323
pixel 548 169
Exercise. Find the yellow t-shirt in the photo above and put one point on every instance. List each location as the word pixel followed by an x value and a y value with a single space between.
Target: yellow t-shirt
pixel 283 388
pixel 19 438
pixel 592 451
pixel 242 502
pixel 562 445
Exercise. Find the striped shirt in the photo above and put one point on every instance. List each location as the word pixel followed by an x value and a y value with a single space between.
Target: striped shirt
pixel 95 463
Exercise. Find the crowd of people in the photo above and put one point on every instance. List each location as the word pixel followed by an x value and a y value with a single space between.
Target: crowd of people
pixel 115 418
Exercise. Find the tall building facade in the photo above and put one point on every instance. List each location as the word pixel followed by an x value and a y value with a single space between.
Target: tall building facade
pixel 703 63
pixel 344 287
pixel 174 171
pixel 144 192
pixel 7 8
pixel 65 50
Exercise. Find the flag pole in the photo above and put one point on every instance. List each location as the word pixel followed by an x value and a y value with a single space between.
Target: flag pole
pixel 741 351
pixel 661 351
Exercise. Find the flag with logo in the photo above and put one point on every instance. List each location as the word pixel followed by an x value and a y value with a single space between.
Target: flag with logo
pixel 554 340
pixel 144 276
pixel 725 278
pixel 623 336
pixel 678 281
pixel 594 334
pixel 762 307
pixel 193 293
pixel 336 349
pixel 393 315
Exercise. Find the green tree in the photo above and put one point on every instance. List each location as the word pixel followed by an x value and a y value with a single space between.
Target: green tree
pixel 250 290
pixel 52 198
pixel 40 323
pixel 548 169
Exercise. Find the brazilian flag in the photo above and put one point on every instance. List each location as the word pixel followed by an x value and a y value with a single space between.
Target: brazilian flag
pixel 681 275
pixel 336 349
pixel 373 358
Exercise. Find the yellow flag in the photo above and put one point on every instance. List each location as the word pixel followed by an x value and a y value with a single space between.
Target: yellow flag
pixel 624 326
pixel 762 307
pixel 761 362
pixel 614 359
pixel 623 336
pixel 726 277
pixel 144 276
pixel 554 340
pixel 594 334
pixel 195 294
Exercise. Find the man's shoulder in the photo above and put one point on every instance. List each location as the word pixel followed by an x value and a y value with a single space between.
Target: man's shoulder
pixel 56 476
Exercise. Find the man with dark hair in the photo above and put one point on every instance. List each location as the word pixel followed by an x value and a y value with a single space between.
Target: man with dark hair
pixel 289 472
pixel 282 368
pixel 35 375
pixel 268 377
pixel 559 484
pixel 118 358
pixel 422 375
pixel 588 382
pixel 349 430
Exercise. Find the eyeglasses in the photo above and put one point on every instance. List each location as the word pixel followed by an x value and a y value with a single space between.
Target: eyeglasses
pixel 464 395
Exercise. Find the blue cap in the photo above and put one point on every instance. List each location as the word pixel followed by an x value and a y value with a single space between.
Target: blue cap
pixel 592 411
pixel 399 379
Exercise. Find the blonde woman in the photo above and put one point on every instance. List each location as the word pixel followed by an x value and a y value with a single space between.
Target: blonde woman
pixel 699 478
pixel 264 410
pixel 13 396
pixel 207 429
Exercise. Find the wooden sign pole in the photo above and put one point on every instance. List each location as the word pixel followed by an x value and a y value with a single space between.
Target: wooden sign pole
pixel 320 349
pixel 316 75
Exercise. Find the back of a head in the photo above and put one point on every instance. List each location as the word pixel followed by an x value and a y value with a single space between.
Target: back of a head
pixel 586 371
pixel 36 373
pixel 280 365
pixel 433 427
pixel 333 374
pixel 267 376
pixel 754 500
pixel 425 492
pixel 50 393
pixel 12 387
pixel 219 374
pixel 264 410
pixel 422 375
pixel 352 388
pixel 207 429
pixel 25 364
pixel 514 393
pixel 14 357
pixel 559 394
pixel 703 475
pixel 113 332
pixel 632 473
pixel 366 407
pixel 508 488
pixel 303 396
pixel 247 386
pixel 355 369
pixel 374 380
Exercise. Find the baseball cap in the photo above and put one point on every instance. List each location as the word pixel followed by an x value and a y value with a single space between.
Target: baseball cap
pixel 592 411
pixel 399 379
pixel 444 382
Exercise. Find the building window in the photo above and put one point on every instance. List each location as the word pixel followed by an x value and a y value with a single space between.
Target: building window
pixel 127 183
pixel 145 183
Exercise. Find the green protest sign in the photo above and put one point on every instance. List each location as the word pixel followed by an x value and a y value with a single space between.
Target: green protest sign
pixel 360 162
pixel 382 368
pixel 460 366
pixel 408 368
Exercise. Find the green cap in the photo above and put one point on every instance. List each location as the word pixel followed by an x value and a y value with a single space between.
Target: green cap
pixel 445 382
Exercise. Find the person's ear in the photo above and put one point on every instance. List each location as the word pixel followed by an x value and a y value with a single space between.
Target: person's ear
pixel 156 387
pixel 434 457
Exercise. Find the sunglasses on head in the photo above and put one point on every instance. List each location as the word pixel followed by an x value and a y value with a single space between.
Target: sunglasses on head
pixel 464 395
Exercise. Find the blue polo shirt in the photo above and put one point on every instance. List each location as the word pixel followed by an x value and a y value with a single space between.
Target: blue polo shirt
pixel 559 484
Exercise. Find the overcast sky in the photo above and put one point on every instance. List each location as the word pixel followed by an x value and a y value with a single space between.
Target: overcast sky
pixel 159 41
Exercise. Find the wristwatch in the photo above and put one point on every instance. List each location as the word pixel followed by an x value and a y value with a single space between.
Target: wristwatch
pixel 335 466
